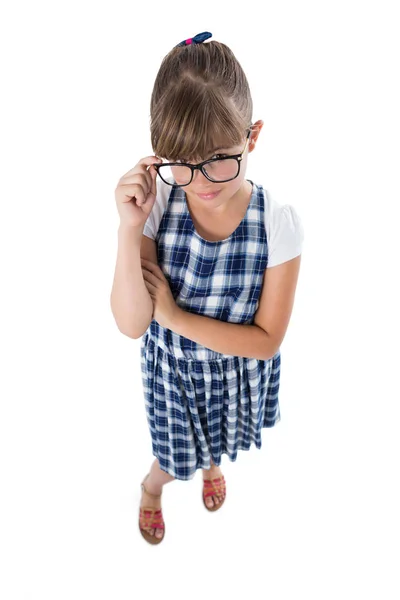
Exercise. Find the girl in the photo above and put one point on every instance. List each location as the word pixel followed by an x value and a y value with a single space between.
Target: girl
pixel 206 272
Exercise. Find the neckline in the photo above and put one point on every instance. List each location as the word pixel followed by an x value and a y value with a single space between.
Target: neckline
pixel 196 233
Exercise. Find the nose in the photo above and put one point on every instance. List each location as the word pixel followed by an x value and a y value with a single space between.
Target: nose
pixel 200 178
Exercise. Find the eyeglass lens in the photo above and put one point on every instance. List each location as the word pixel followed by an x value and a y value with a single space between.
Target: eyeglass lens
pixel 219 170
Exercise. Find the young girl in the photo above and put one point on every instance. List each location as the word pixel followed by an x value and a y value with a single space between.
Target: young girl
pixel 206 272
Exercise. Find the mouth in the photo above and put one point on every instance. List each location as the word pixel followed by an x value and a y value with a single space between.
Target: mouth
pixel 209 196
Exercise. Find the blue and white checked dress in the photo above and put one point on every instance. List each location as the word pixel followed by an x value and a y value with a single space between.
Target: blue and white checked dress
pixel 200 403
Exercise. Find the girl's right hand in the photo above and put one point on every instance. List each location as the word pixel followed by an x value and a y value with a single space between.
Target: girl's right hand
pixel 136 192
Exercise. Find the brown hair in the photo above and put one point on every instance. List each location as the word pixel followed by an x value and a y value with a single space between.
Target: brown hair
pixel 200 101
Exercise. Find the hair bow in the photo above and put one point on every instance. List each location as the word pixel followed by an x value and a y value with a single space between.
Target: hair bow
pixel 197 39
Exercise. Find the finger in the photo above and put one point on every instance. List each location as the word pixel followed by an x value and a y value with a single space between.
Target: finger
pixel 146 263
pixel 150 263
pixel 153 174
pixel 151 288
pixel 149 276
pixel 133 191
pixel 152 269
pixel 146 181
pixel 144 163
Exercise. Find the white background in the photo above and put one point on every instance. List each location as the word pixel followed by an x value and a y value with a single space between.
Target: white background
pixel 314 514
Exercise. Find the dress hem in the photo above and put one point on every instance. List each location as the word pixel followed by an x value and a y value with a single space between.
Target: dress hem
pixel 217 464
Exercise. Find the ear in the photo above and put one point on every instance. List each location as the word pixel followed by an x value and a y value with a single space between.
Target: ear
pixel 256 128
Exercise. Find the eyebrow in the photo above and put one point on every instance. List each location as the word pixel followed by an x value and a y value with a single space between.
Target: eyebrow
pixel 215 149
pixel 211 152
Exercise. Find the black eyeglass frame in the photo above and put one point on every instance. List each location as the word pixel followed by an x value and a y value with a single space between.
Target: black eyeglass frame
pixel 199 166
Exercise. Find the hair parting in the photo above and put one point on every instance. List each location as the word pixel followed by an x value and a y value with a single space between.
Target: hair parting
pixel 200 102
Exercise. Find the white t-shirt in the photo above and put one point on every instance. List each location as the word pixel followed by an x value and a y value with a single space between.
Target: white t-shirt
pixel 285 232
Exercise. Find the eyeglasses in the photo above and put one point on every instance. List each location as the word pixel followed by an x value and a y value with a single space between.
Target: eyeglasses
pixel 218 170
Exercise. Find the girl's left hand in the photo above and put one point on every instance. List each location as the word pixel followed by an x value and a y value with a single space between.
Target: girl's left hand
pixel 165 307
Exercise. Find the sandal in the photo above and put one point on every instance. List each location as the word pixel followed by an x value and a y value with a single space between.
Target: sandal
pixel 214 487
pixel 150 518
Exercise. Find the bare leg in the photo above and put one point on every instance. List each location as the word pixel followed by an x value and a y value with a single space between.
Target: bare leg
pixel 154 484
pixel 214 471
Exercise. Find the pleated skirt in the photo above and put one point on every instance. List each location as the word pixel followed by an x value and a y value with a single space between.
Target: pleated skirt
pixel 198 410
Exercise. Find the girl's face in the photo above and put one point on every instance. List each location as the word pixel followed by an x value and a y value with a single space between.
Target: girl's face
pixel 205 194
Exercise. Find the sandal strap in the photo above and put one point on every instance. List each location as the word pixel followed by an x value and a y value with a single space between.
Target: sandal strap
pixel 214 487
pixel 152 520
pixel 145 489
pixel 149 494
pixel 217 481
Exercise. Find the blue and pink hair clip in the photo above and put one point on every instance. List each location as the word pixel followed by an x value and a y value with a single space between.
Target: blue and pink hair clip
pixel 197 39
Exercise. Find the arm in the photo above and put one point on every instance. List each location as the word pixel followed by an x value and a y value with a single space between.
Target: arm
pixel 261 340
pixel 131 303
pixel 249 341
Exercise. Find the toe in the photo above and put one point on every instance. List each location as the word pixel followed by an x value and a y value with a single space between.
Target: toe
pixel 216 501
pixel 159 533
pixel 209 502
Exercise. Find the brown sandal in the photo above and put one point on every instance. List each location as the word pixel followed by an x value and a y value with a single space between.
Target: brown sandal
pixel 150 518
pixel 214 487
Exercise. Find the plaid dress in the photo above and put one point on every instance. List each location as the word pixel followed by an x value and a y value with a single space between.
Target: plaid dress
pixel 201 404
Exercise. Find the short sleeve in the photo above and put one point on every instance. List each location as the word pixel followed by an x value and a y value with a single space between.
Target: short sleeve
pixel 149 227
pixel 286 235
pixel 153 221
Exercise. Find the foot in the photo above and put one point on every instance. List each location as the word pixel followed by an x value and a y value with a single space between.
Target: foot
pixel 148 501
pixel 211 474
